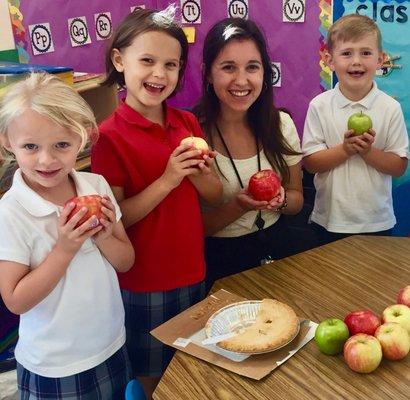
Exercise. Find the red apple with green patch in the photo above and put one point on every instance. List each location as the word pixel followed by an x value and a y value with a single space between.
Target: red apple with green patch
pixel 399 313
pixel 362 321
pixel 394 339
pixel 359 123
pixel 264 185
pixel 403 296
pixel 198 144
pixel 362 353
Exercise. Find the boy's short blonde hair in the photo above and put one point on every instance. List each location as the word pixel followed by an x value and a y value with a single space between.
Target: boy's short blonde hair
pixel 352 27
pixel 52 98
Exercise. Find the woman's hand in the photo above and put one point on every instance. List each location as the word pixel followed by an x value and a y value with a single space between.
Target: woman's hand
pixel 248 203
pixel 70 238
pixel 276 203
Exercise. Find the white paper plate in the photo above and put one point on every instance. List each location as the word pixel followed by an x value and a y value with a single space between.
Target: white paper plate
pixel 235 317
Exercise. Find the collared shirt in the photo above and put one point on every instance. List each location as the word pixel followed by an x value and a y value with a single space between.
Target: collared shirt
pixel 132 152
pixel 354 197
pixel 80 323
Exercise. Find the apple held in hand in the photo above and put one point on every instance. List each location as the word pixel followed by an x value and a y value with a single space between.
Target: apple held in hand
pixel 197 143
pixel 404 296
pixel 264 185
pixel 362 353
pixel 360 123
pixel 330 336
pixel 91 202
pixel 399 313
pixel 394 339
pixel 364 321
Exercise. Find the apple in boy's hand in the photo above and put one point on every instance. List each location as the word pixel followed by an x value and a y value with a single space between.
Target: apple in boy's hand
pixel 93 204
pixel 404 296
pixel 197 143
pixel 363 321
pixel 330 336
pixel 394 339
pixel 399 313
pixel 360 123
pixel 264 185
pixel 362 353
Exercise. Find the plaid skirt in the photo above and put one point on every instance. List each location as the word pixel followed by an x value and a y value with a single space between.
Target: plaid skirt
pixel 106 381
pixel 146 311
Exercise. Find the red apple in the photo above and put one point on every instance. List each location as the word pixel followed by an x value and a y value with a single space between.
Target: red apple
pixel 362 353
pixel 264 185
pixel 399 313
pixel 93 204
pixel 197 143
pixel 404 296
pixel 394 339
pixel 362 321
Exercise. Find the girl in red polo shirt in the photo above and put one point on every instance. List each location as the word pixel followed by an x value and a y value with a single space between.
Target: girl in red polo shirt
pixel 156 182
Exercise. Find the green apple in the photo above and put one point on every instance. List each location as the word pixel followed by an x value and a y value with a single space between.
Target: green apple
pixel 360 123
pixel 330 336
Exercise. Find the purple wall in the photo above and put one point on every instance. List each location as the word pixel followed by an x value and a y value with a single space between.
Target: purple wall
pixel 294 45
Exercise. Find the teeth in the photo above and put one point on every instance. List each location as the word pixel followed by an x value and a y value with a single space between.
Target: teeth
pixel 155 86
pixel 240 93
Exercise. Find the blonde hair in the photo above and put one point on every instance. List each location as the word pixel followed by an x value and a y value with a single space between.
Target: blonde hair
pixel 352 27
pixel 52 98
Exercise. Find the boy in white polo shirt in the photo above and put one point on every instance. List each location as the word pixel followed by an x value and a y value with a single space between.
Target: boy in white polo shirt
pixel 60 277
pixel 353 174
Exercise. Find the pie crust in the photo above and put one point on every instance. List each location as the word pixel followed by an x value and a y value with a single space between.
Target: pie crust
pixel 276 324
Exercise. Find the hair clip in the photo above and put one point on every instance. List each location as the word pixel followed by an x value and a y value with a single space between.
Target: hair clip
pixel 230 31
pixel 166 17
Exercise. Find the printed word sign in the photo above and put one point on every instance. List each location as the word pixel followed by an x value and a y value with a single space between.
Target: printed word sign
pixel 238 9
pixel 103 25
pixel 79 35
pixel 191 11
pixel 277 74
pixel 293 11
pixel 41 39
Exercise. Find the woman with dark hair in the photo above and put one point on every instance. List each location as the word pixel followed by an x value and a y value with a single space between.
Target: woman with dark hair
pixel 241 123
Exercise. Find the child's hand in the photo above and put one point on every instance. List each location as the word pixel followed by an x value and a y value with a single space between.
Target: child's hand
pixel 364 142
pixel 181 163
pixel 108 220
pixel 70 238
pixel 349 143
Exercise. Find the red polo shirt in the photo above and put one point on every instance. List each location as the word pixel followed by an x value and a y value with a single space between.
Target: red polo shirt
pixel 132 152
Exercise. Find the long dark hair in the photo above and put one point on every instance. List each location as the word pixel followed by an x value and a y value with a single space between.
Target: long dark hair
pixel 263 117
pixel 135 23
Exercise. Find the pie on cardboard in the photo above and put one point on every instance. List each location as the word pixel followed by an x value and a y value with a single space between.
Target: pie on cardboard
pixel 276 324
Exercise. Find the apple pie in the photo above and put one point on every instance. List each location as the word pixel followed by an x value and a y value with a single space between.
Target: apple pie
pixel 276 324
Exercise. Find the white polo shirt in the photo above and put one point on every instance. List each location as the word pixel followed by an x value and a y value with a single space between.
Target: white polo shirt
pixel 354 197
pixel 246 168
pixel 80 323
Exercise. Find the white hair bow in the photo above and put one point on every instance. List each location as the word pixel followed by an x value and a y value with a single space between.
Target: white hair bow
pixel 165 17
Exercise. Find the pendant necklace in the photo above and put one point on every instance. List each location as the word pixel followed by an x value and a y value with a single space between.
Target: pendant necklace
pixel 259 222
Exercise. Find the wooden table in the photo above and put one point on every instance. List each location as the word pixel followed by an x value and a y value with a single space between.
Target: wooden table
pixel 355 273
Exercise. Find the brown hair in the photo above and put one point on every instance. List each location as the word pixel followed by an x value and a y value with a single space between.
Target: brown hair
pixel 263 117
pixel 141 21
pixel 352 27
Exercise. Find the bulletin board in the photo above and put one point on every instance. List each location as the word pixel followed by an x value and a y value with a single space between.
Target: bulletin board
pixel 295 30
pixel 292 44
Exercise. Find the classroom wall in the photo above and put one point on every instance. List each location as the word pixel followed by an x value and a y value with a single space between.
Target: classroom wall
pixel 294 45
